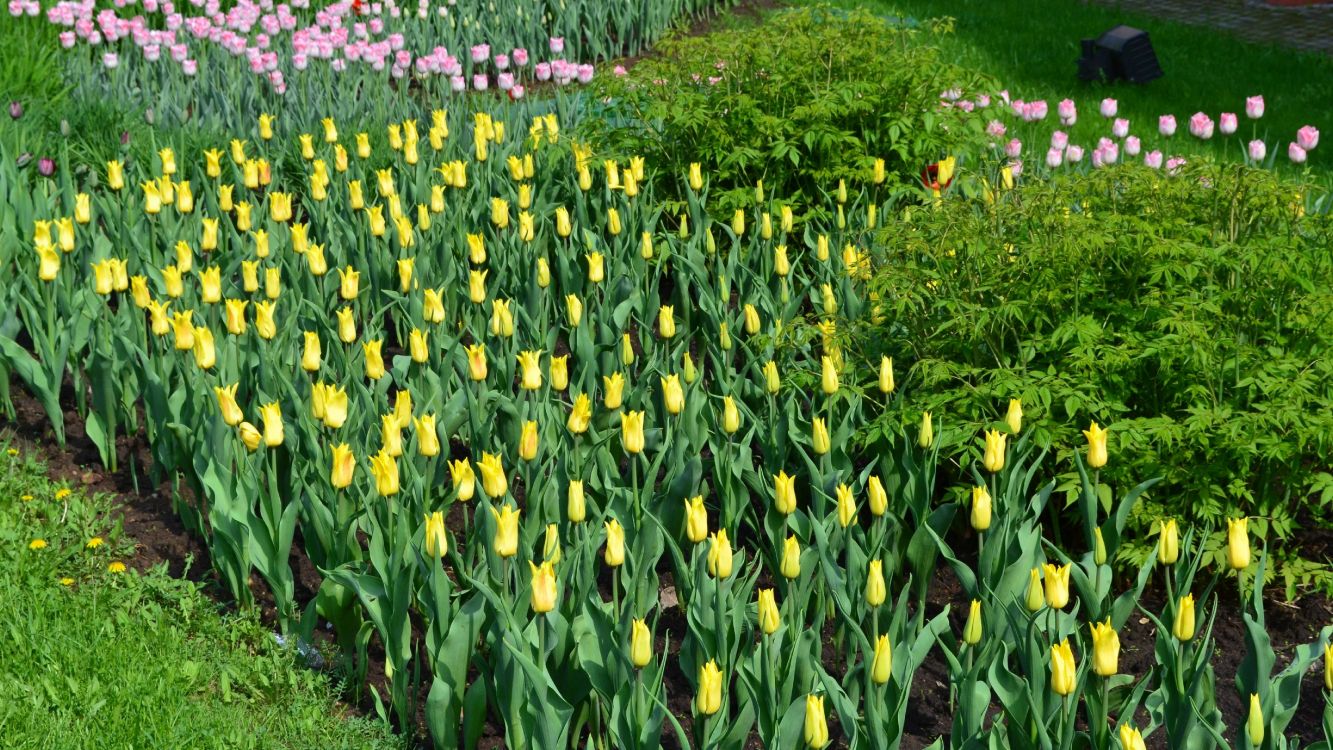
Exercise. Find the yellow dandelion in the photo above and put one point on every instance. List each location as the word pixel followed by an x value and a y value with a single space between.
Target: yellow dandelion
pixel 13 451
pixel 116 567
pixel 94 543
pixel 63 493
pixel 67 581
pixel 26 498
pixel 37 544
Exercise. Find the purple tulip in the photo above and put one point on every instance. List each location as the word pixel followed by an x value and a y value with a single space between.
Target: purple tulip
pixel 16 109
pixel 46 166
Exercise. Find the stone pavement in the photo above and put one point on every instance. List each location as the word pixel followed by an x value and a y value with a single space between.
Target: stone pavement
pixel 1308 27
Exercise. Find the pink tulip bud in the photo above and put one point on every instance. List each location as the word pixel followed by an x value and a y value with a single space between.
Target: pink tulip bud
pixel 1258 150
pixel 1132 146
pixel 1054 157
pixel 1074 154
pixel 557 44
pixel 995 129
pixel 983 100
pixel 1014 148
pixel 1059 139
pixel 517 91
pixel 1307 137
pixel 15 109
pixel 480 82
pixel 1120 128
pixel 1254 107
pixel 1166 125
pixel 110 60
pixel 46 166
pixel 1153 159
pixel 1016 167
pixel 1227 123
pixel 1201 126
pixel 1109 107
pixel 620 71
pixel 458 83
pixel 1296 153
pixel 1068 112
pixel 1174 164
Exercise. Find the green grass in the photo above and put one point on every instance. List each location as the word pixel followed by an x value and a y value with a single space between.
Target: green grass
pixel 95 658
pixel 1030 47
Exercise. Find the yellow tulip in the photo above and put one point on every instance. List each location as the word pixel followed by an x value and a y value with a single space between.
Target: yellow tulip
pixel 432 306
pixel 265 324
pixel 103 280
pixel 719 554
pixel 250 436
pixel 1014 418
pixel 344 466
pixel 673 395
pixel 972 628
pixel 886 384
pixel 464 480
pixel 502 319
pixel 1105 649
pixel 350 283
pixel 428 440
pixel 784 493
pixel 1096 445
pixel 626 350
pixel 731 417
pixel 528 442
pixel 1056 578
pixel 709 699
pixel 363 145
pixel 615 544
pixel 994 457
pixel 205 355
pixel 161 323
pixel 346 325
pixel 770 617
pixel 1063 670
pixel 335 407
pixel 374 360
pixel 772 383
pixel 819 436
pixel 494 480
pixel 640 644
pixel 576 505
pixel 551 546
pixel 738 222
pixel 666 321
pixel 543 586
pixel 781 266
pixel 139 292
pixel 1328 667
pixel 1238 543
pixel 226 397
pixel 402 408
pixel 1183 627
pixel 877 172
pixel 1168 542
pixel 879 499
pixel 580 415
pixel 881 665
pixel 1036 596
pixel 631 432
pixel 696 519
pixel 183 328
pixel 436 537
pixel 876 591
pixel 790 565
pixel 1131 738
pixel 243 216
pixel 846 506
pixel 752 323
pixel 981 508
pixel 506 531
pixel 816 726
pixel 828 380
pixel 115 175
pixel 596 268
pixel 391 435
pixel 614 387
pixel 927 435
pixel 696 176
pixel 417 344
pixel 49 264
pixel 152 198
pixel 559 370
pixel 384 467
pixel 476 361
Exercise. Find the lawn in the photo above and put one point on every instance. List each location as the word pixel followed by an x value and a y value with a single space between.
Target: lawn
pixel 97 653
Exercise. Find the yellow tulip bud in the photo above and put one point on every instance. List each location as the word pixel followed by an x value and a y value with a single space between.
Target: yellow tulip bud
pixel 631 431
pixel 436 536
pixel 696 176
pixel 886 375
pixel 673 396
pixel 1063 670
pixel 666 322
pixel 1036 596
pixel 994 457
pixel 927 435
pixel 784 493
pixel 731 417
pixel 576 508
pixel 640 645
pixel 752 323
pixel 709 699
pixel 770 617
pixel 1183 627
pixel 1105 649
pixel 250 436
pixel 343 466
pixel 981 508
pixel 881 664
pixel 876 591
pixel 615 544
pixel 626 350
pixel 816 726
pixel 719 554
pixel 1057 585
pixel 790 566
pixel 828 381
pixel 1238 543
pixel 543 586
pixel 1014 418
pixel 506 531
pixel 696 519
pixel 528 441
pixel 1168 542
pixel 463 478
pixel 374 360
pixel 596 268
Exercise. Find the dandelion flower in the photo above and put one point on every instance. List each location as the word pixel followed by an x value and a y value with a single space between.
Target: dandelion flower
pixel 13 451
pixel 26 498
pixel 66 581
pixel 37 544
pixel 63 493
pixel 116 567
pixel 94 543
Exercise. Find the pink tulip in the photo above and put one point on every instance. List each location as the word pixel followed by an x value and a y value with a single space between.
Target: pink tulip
pixel 1068 112
pixel 1296 153
pixel 1059 139
pixel 110 60
pixel 620 71
pixel 1166 125
pixel 543 71
pixel 1109 107
pixel 479 82
pixel 951 95
pixel 585 73
pixel 1054 157
pixel 502 62
pixel 995 129
pixel 1111 153
pixel 1013 149
pixel 1037 110
pixel 458 83
pixel 1016 106
pixel 557 44
pixel 1201 126
pixel 517 91
pixel 1004 96
pixel 1120 128
pixel 190 67
pixel 1074 154
pixel 480 53
pixel 505 81
pixel 1258 150
pixel 965 105
pixel 1132 146
pixel 1254 107
pixel 1307 137
pixel 520 56
pixel 1098 159
pixel 1227 123
pixel 1016 167
pixel 983 100
pixel 1153 159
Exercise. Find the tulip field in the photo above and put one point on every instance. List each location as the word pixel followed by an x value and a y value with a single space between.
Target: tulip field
pixel 582 464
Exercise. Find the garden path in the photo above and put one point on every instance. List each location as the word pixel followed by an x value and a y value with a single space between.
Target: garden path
pixel 1306 26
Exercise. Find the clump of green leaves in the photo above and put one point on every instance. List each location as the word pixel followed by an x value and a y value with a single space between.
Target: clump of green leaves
pixel 1192 313
pixel 800 100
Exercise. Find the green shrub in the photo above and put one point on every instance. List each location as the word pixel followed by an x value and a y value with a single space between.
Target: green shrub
pixel 800 100
pixel 1193 314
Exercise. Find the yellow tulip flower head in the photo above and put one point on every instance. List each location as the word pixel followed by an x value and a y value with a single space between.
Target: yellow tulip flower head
pixel 506 531
pixel 1096 445
pixel 494 480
